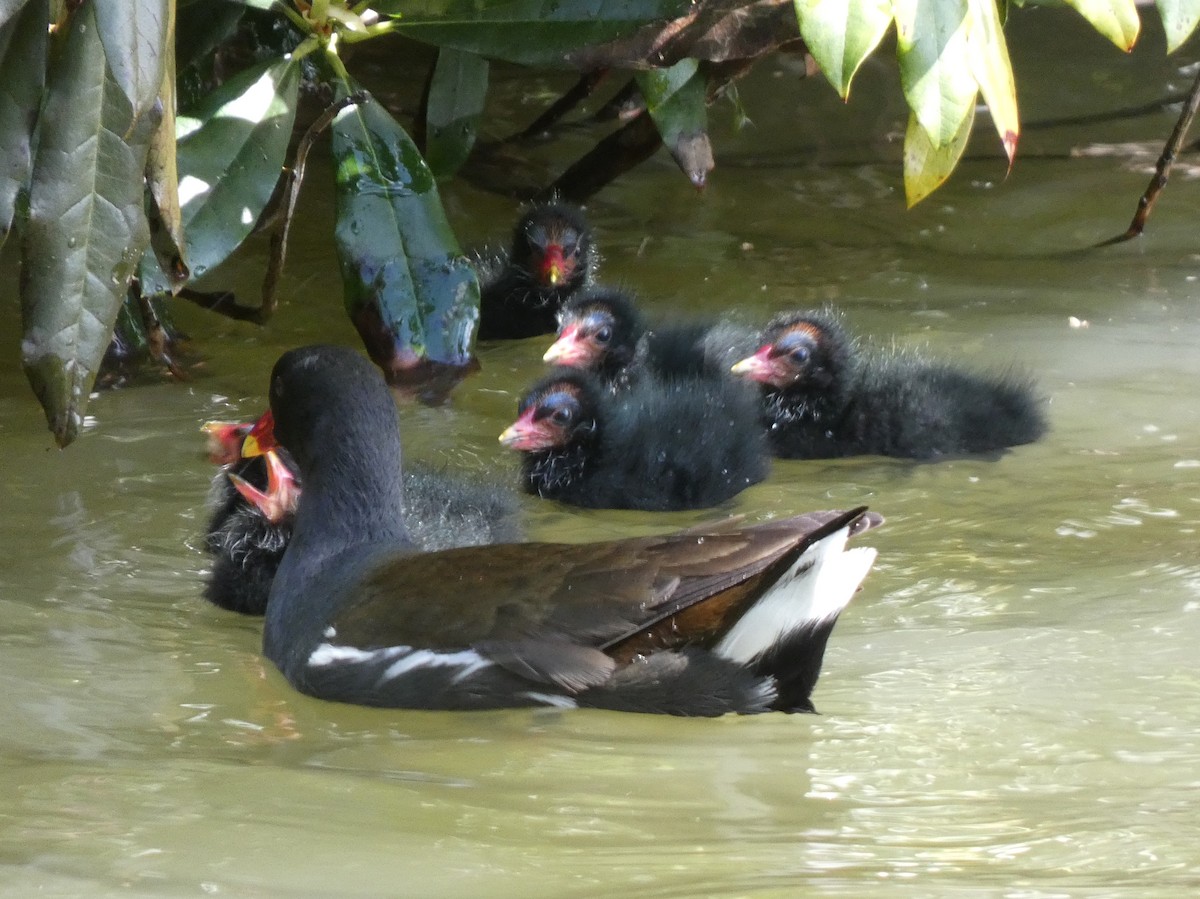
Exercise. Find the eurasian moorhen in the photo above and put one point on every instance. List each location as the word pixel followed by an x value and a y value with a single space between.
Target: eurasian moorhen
pixel 600 328
pixel 732 618
pixel 825 396
pixel 252 519
pixel 659 445
pixel 522 290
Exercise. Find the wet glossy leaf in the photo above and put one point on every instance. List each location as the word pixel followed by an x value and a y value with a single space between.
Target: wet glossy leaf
pixel 927 166
pixel 988 53
pixel 9 9
pixel 87 225
pixel 935 64
pixel 230 155
pixel 1117 20
pixel 23 74
pixel 162 178
pixel 675 98
pixel 1179 18
pixel 530 32
pixel 456 97
pixel 840 34
pixel 409 290
pixel 134 34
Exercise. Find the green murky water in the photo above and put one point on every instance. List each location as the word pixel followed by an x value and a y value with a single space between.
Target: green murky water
pixel 1009 706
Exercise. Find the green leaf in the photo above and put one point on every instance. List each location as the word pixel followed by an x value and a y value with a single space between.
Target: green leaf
pixel 409 290
pixel 456 96
pixel 201 26
pixel 988 53
pixel 927 166
pixel 935 65
pixel 9 10
pixel 134 34
pixel 23 74
pixel 840 34
pixel 1117 20
pixel 530 32
pixel 162 176
pixel 87 224
pixel 1179 18
pixel 675 98
pixel 230 155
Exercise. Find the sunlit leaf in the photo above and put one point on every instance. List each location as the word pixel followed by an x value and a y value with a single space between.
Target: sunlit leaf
pixel 23 74
pixel 840 34
pixel 162 177
pixel 230 155
pixel 456 96
pixel 408 288
pixel 1179 18
pixel 87 225
pixel 935 64
pixel 531 32
pixel 926 166
pixel 134 34
pixel 1117 20
pixel 988 53
pixel 675 98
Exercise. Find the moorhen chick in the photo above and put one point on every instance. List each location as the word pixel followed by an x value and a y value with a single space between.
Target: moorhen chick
pixel 825 396
pixel 659 445
pixel 732 618
pixel 521 291
pixel 254 506
pixel 601 329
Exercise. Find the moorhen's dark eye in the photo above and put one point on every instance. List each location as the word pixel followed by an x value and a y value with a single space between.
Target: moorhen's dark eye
pixel 561 416
pixel 800 355
pixel 603 334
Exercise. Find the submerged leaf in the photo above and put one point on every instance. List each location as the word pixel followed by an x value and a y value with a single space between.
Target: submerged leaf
pixel 1179 18
pixel 408 288
pixel 23 74
pixel 840 34
pixel 935 65
pixel 456 96
pixel 87 225
pixel 675 98
pixel 927 166
pixel 230 155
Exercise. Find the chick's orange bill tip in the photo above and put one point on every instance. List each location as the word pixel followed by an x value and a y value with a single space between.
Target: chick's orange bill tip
pixel 261 438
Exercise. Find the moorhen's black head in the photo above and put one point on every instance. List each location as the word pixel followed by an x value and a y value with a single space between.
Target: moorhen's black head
pixel 599 330
pixel 559 411
pixel 806 353
pixel 552 244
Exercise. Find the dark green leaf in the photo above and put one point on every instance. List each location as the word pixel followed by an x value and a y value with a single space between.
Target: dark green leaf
pixel 201 26
pixel 530 32
pixel 408 288
pixel 230 155
pixel 134 34
pixel 675 98
pixel 23 74
pixel 87 225
pixel 456 97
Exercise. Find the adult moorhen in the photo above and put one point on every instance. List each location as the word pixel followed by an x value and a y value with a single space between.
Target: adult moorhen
pixel 733 618
pixel 521 291
pixel 825 396
pixel 659 445
pixel 601 329
pixel 253 514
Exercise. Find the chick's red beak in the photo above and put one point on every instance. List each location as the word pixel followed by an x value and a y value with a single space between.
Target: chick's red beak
pixel 261 438
pixel 282 493
pixel 555 269
pixel 764 368
pixel 527 434
pixel 223 440
pixel 571 348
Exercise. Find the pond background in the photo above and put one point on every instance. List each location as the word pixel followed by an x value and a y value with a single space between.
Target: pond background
pixel 1009 707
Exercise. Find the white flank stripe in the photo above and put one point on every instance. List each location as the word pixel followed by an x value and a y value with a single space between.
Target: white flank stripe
pixel 815 589
pixel 468 659
pixel 559 702
pixel 328 654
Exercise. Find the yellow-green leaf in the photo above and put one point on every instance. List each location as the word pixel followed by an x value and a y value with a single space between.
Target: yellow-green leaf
pixel 840 34
pixel 935 65
pixel 1179 18
pixel 1117 20
pixel 993 71
pixel 927 166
